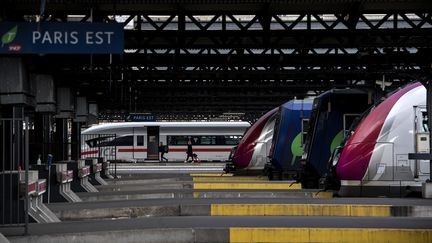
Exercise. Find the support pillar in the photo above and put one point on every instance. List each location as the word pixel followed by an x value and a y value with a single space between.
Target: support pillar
pixel 41 141
pixel 65 112
pixel 61 139
pixel 76 141
pixel 427 186
pixel 81 118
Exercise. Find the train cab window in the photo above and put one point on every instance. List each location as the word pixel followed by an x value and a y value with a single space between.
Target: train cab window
pixel 123 141
pixel 92 143
pixel 425 127
pixel 348 120
pixel 140 140
pixel 100 141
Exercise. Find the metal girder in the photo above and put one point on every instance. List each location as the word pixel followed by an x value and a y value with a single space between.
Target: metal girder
pixel 277 39
pixel 212 6
pixel 150 61
pixel 198 58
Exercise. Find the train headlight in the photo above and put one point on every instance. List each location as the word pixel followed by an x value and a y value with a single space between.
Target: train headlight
pixel 336 156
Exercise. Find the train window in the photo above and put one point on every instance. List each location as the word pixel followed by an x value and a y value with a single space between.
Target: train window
pixel 208 140
pixel 205 140
pixel 140 140
pixel 122 141
pixel 196 140
pixel 178 140
pixel 220 140
pixel 232 140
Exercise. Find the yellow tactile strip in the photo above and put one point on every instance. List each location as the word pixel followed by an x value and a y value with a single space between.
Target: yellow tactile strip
pixel 324 235
pixel 251 186
pixel 229 178
pixel 349 210
pixel 212 175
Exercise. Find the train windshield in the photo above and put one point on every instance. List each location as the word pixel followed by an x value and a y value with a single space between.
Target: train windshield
pixel 308 136
pixel 99 141
pixel 277 118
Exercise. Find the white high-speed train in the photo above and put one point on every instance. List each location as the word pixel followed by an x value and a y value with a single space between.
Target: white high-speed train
pixel 374 160
pixel 139 141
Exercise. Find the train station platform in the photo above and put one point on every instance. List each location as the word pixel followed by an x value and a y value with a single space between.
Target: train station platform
pixel 232 229
pixel 358 207
pixel 168 207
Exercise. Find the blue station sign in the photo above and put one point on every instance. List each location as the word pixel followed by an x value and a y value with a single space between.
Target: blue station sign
pixel 140 117
pixel 61 38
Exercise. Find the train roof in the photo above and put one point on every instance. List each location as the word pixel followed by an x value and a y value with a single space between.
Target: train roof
pixel 305 104
pixel 341 92
pixel 106 126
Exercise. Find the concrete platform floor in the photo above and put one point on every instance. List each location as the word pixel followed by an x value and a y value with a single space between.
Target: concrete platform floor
pixel 212 229
pixel 194 219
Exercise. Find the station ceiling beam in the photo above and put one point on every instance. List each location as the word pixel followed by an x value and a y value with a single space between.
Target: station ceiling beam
pixel 213 6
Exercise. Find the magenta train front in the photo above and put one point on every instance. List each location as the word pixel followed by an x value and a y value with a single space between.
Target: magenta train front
pixel 377 150
pixel 252 147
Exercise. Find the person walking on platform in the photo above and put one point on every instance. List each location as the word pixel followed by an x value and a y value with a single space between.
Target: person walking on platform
pixel 162 150
pixel 189 151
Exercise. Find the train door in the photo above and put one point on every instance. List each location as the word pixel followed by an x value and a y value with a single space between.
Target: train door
pixel 139 147
pixel 152 143
pixel 421 140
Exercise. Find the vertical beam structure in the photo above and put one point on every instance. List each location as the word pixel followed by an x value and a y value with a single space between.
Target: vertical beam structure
pixel 427 186
pixel 428 86
pixel 180 40
pixel 75 140
pixel 45 108
pixel 65 112
pixel 61 139
pixel 15 97
pixel 81 117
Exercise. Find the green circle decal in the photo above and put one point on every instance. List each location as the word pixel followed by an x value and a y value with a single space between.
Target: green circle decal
pixel 296 148
pixel 337 140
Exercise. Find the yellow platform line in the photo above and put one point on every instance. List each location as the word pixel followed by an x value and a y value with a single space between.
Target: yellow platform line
pixel 333 235
pixel 349 210
pixel 232 178
pixel 248 186
pixel 314 194
pixel 212 175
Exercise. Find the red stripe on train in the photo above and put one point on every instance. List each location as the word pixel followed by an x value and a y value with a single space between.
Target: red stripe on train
pixel 131 150
pixel 202 150
pixel 179 150
pixel 89 152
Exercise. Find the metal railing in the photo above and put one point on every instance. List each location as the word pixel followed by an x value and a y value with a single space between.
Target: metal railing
pixel 14 176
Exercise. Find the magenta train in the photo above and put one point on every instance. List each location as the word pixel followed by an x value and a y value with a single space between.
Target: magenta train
pixel 253 149
pixel 374 158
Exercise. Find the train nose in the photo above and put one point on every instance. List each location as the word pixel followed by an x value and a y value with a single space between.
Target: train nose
pixel 354 161
pixel 242 157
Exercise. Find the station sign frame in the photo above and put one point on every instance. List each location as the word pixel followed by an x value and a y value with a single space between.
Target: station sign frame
pixel 61 38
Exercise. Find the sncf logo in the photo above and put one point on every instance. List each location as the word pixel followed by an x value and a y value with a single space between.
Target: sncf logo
pixel 8 37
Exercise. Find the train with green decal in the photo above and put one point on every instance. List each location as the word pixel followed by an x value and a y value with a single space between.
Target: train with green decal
pixel 333 113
